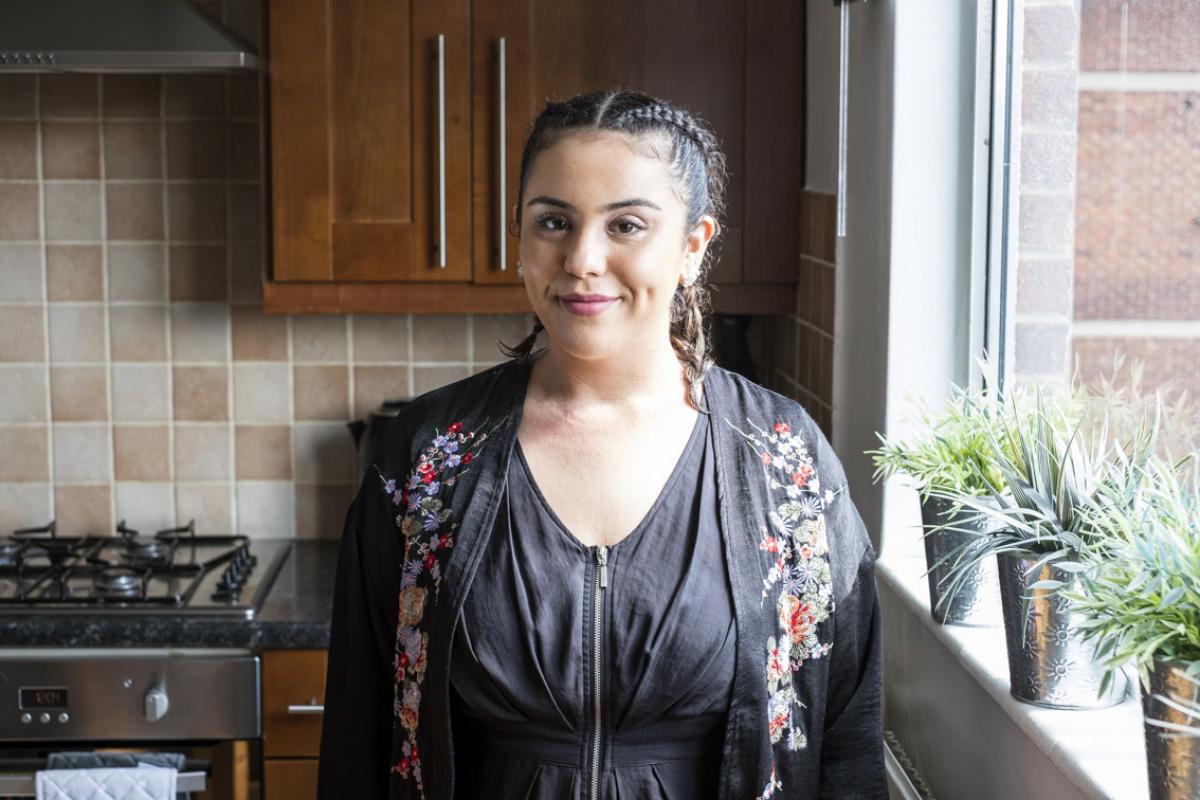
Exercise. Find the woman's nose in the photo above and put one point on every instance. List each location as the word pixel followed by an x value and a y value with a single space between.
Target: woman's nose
pixel 586 253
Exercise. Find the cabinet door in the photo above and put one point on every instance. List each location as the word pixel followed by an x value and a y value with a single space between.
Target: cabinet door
pixel 293 689
pixel 370 142
pixel 290 779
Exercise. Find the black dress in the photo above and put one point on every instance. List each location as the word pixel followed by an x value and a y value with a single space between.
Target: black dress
pixel 527 649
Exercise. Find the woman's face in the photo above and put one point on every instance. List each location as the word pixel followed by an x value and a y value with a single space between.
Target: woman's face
pixel 604 244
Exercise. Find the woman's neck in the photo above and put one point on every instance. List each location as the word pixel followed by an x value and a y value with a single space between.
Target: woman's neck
pixel 650 380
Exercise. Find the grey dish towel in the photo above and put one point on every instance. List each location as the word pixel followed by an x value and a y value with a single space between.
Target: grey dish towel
pixel 107 783
pixel 87 759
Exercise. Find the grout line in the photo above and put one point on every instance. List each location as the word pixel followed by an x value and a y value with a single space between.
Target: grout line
pixel 50 464
pixel 230 375
pixel 166 218
pixel 108 377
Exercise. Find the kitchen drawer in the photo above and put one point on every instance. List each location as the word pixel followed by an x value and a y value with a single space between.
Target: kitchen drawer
pixel 293 692
pixel 290 779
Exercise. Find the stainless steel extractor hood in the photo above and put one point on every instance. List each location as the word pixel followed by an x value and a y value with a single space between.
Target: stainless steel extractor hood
pixel 115 36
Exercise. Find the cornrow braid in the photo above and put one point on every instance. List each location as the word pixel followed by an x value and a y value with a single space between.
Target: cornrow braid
pixel 698 166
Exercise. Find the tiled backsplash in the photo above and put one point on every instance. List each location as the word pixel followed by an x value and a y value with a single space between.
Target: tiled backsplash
pixel 139 377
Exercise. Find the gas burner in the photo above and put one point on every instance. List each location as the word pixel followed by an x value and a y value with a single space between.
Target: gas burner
pixel 148 554
pixel 10 554
pixel 50 529
pixel 120 582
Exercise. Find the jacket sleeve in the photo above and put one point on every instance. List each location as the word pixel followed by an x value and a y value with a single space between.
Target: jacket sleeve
pixel 852 764
pixel 356 732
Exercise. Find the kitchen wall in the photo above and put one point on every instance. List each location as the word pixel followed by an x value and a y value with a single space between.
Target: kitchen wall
pixel 139 378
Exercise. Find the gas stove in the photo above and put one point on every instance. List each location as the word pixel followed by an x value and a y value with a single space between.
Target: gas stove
pixel 173 571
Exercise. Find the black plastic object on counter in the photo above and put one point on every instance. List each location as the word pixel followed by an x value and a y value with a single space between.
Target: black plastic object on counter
pixel 366 433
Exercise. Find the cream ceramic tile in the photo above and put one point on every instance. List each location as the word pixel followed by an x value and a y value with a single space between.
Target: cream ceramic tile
pixel 71 150
pixel 77 332
pixel 19 212
pixel 261 393
pixel 202 452
pixel 82 453
pixel 133 150
pixel 30 441
pixel 135 211
pixel 489 330
pixel 21 268
pixel 200 332
pixel 75 272
pixel 439 337
pixel 139 393
pixel 380 337
pixel 147 507
pixel 18 150
pixel 21 333
pixel 196 212
pixel 24 505
pixel 321 510
pixel 79 394
pixel 137 272
pixel 72 211
pixel 324 452
pixel 426 379
pixel 139 333
pixel 210 505
pixel 80 510
pixel 23 393
pixel 266 509
pixel 319 338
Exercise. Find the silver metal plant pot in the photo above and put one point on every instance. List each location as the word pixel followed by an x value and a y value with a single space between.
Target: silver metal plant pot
pixel 1172 761
pixel 1048 664
pixel 977 600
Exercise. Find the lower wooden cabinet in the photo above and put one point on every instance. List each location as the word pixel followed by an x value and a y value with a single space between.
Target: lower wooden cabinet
pixel 293 698
pixel 289 779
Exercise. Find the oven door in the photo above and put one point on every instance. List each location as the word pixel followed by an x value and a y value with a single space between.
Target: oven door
pixel 202 703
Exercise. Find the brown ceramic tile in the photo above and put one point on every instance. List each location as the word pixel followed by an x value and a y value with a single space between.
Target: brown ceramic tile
pixel 245 212
pixel 426 379
pixel 439 337
pixel 18 96
pixel 319 338
pixel 197 212
pixel 76 332
pixel 132 150
pixel 244 154
pixel 141 452
pixel 18 150
pixel 243 97
pixel 373 385
pixel 202 452
pixel 199 332
pixel 80 510
pixel 490 330
pixel 72 211
pixel 79 394
pixel 132 95
pixel 321 392
pixel 137 271
pixel 19 211
pixel 74 272
pixel 380 337
pixel 69 94
pixel 135 211
pixel 324 452
pixel 195 96
pixel 264 452
pixel 321 510
pixel 260 393
pixel 201 394
pixel 21 268
pixel 139 393
pixel 195 149
pixel 30 442
pixel 246 273
pixel 21 337
pixel 71 150
pixel 211 506
pixel 257 336
pixel 82 452
pixel 139 333
pixel 23 393
pixel 198 273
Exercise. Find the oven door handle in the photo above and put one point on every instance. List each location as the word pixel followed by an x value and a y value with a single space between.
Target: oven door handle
pixel 303 709
pixel 26 785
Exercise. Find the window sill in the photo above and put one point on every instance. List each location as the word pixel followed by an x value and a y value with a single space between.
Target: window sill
pixel 1101 753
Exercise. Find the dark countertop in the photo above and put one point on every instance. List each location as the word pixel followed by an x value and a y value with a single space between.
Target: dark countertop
pixel 295 616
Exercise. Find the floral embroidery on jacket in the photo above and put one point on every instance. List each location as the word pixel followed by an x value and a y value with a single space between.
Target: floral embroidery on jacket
pixel 428 528
pixel 795 538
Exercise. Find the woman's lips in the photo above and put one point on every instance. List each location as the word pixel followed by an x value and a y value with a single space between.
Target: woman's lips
pixel 587 305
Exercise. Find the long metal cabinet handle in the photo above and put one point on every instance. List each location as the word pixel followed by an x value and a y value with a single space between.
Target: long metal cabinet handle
pixel 303 709
pixel 503 122
pixel 441 90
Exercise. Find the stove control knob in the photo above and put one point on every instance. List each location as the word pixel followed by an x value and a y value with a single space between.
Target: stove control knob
pixel 64 717
pixel 157 704
pixel 44 718
pixel 26 718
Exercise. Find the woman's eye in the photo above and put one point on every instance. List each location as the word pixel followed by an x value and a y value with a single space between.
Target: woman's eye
pixel 552 223
pixel 628 226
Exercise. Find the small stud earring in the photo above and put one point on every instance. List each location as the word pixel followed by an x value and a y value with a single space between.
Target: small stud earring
pixel 520 270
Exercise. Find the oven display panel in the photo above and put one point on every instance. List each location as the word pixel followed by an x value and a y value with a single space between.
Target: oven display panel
pixel 43 697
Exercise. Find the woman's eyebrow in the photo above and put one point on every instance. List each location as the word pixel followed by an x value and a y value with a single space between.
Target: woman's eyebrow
pixel 554 201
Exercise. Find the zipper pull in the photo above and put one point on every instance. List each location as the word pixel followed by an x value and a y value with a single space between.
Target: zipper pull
pixel 602 560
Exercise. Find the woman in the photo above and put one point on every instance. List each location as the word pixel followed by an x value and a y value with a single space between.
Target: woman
pixel 606 568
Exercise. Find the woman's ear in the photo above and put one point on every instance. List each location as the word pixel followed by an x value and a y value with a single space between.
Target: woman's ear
pixel 696 245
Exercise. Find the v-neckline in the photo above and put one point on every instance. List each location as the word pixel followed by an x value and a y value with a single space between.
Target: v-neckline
pixel 672 478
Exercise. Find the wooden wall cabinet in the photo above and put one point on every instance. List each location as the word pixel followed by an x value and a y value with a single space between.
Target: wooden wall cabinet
pixel 293 687
pixel 394 168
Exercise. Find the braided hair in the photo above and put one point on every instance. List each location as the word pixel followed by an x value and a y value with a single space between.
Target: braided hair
pixel 695 160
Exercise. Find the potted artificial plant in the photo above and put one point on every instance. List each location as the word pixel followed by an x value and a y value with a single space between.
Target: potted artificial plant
pixel 951 459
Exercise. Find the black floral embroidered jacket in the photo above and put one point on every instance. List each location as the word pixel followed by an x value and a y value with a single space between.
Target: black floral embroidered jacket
pixel 804 720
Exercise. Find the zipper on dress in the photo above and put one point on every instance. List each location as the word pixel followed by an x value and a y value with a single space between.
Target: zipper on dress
pixel 597 621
